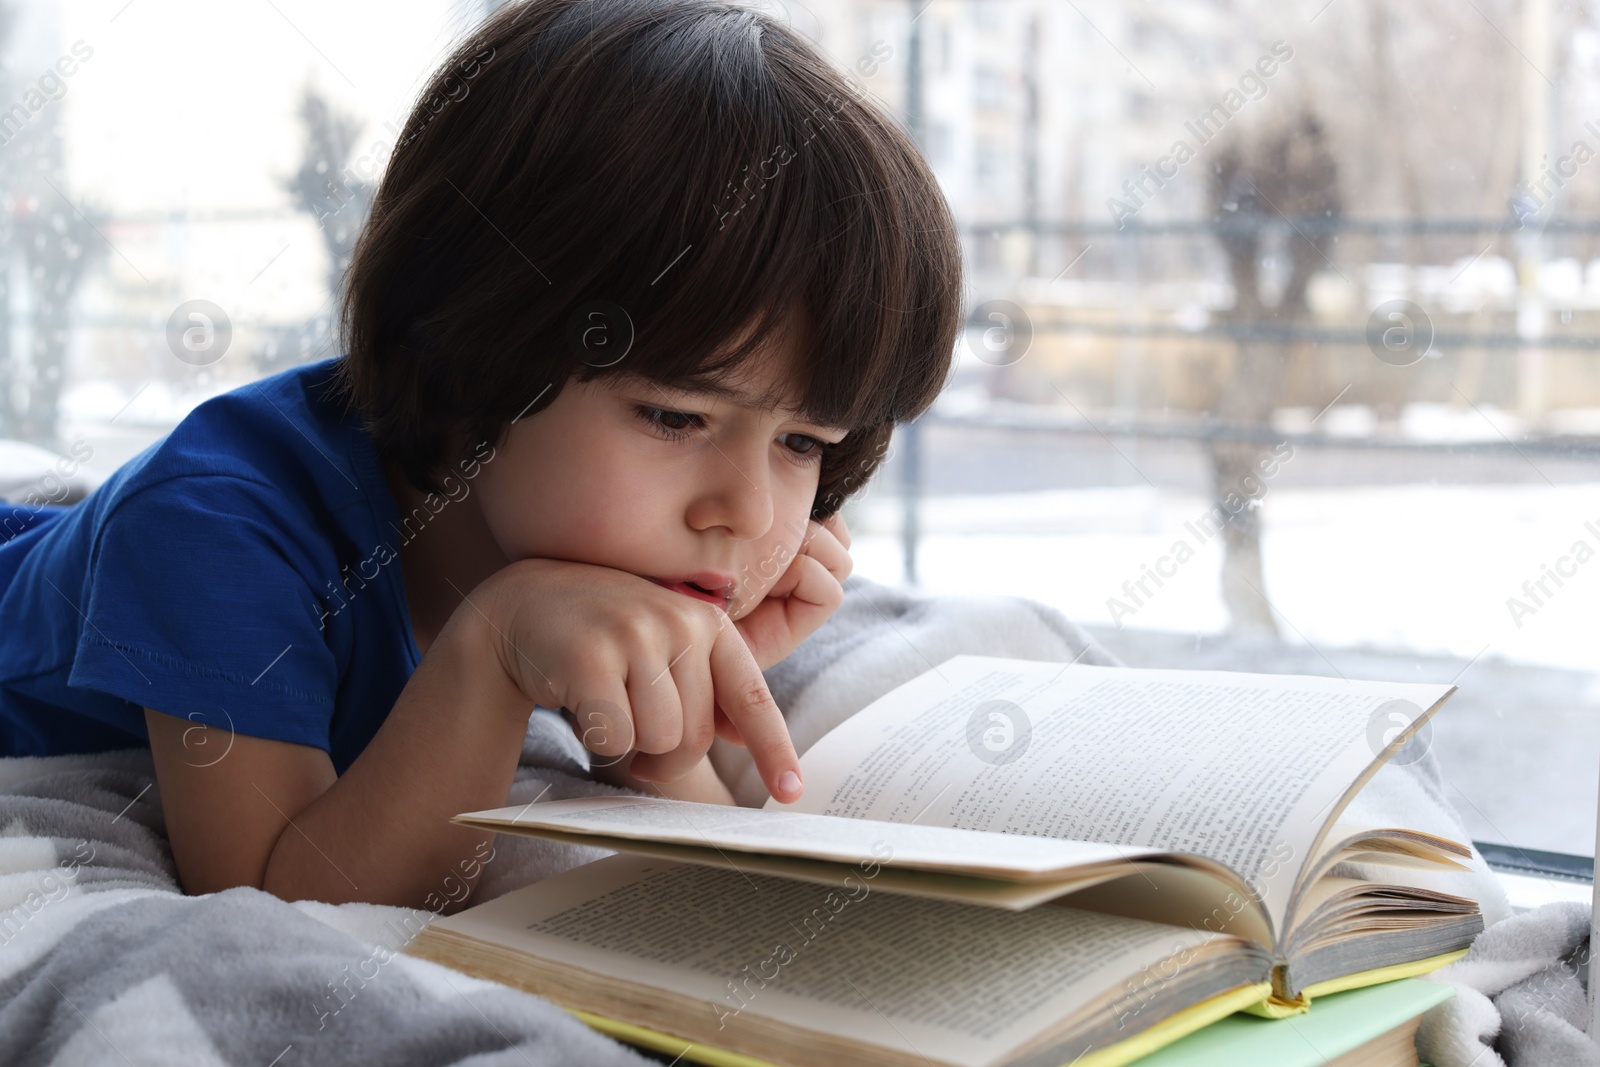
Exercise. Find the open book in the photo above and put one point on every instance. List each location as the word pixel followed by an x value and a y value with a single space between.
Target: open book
pixel 1181 827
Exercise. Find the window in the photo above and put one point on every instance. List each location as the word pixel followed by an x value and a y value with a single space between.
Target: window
pixel 1328 338
pixel 1324 299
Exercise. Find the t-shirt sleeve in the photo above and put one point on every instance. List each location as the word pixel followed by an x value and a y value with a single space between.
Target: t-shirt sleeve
pixel 201 605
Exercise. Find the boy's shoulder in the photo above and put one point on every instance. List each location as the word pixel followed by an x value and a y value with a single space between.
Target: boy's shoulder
pixel 286 437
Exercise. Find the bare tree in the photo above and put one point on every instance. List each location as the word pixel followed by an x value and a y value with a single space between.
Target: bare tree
pixel 53 241
pixel 325 189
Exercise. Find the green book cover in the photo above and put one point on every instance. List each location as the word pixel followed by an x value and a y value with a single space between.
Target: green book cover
pixel 1336 1024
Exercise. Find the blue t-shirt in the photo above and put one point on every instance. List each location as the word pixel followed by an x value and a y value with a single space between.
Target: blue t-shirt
pixel 243 572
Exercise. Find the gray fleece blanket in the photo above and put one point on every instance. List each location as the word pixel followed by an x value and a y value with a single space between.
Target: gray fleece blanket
pixel 1522 996
pixel 104 961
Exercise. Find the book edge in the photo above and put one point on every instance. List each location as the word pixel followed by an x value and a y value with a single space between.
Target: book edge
pixel 1274 1008
pixel 1172 1028
pixel 1168 1032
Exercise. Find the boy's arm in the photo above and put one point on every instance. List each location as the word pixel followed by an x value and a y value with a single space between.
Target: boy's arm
pixel 274 815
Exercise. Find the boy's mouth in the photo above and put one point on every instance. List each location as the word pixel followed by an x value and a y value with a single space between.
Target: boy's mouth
pixel 709 586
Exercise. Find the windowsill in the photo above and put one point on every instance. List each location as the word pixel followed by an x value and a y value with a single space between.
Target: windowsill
pixel 1529 891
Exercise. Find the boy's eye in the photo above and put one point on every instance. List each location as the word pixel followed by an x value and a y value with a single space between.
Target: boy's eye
pixel 668 422
pixel 677 425
pixel 805 447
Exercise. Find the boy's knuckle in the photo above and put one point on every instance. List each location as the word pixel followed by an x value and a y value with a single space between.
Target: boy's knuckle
pixel 697 736
pixel 755 698
pixel 701 616
pixel 633 630
pixel 709 628
pixel 684 632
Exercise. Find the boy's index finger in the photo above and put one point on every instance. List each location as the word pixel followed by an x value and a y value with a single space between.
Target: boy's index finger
pixel 743 696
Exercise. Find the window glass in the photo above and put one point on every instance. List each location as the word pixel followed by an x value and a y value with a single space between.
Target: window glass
pixel 1282 346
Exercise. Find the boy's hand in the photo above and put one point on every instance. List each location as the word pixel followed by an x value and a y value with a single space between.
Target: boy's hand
pixel 803 597
pixel 642 669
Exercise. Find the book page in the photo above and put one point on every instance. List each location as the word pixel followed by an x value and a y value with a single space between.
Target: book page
pixel 960 983
pixel 1242 768
pixel 718 826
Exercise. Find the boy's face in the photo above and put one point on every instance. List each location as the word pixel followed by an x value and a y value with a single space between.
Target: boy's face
pixel 601 477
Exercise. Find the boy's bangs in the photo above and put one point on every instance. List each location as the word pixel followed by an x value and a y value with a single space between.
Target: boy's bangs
pixel 782 210
pixel 691 167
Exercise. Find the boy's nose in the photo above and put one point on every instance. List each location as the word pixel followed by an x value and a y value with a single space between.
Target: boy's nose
pixel 736 495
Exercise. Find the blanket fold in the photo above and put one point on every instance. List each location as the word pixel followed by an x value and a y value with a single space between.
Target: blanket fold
pixel 1522 996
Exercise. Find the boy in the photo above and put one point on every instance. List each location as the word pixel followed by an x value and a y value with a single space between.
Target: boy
pixel 623 316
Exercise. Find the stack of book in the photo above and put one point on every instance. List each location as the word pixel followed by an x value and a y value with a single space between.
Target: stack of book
pixel 1009 862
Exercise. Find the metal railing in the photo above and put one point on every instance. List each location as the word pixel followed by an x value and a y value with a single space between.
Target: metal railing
pixel 1534 237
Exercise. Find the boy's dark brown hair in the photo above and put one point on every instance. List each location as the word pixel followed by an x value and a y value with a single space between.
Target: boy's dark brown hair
pixel 694 163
